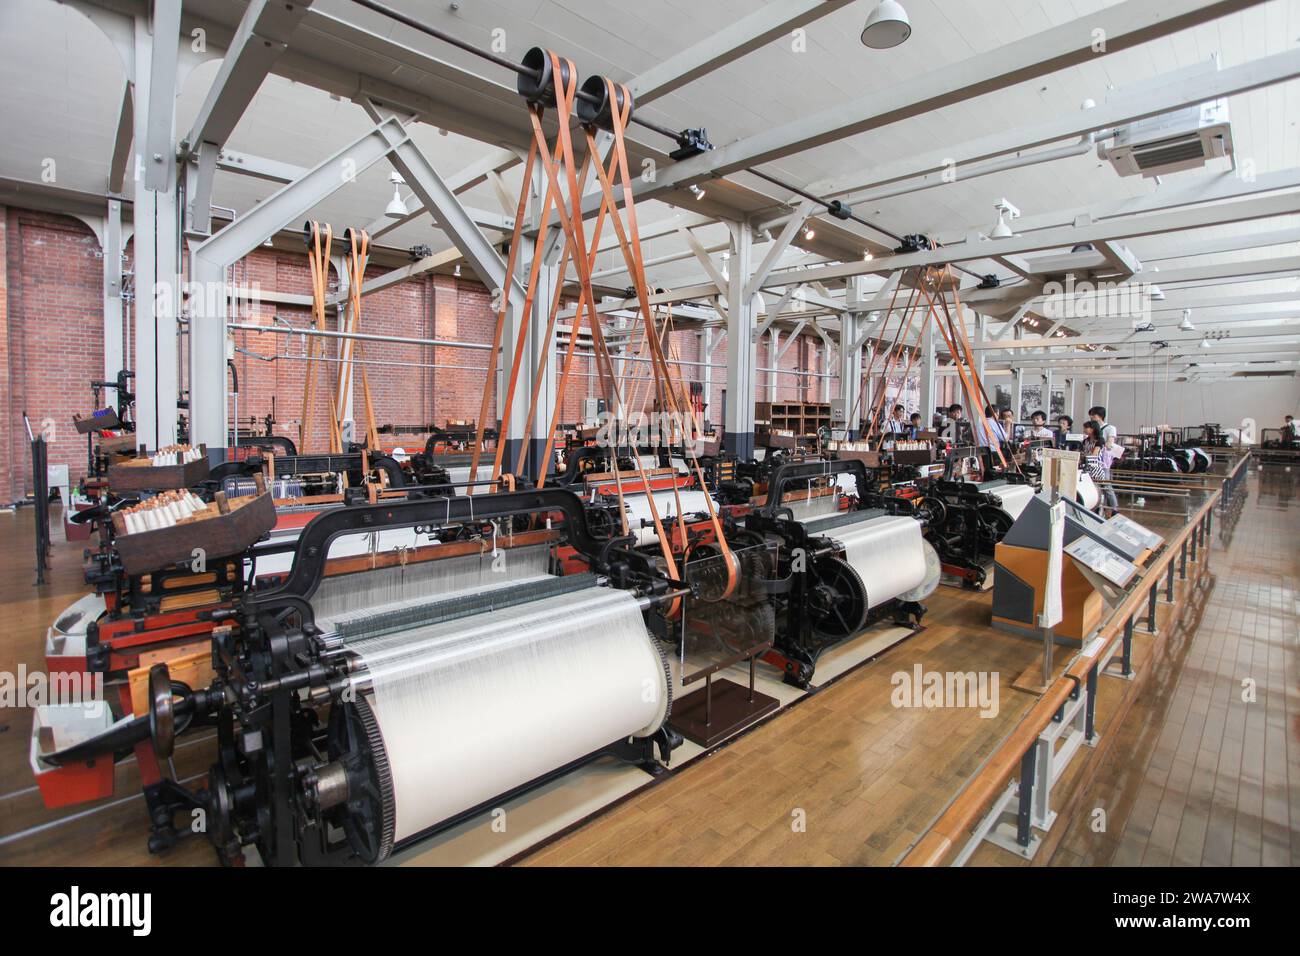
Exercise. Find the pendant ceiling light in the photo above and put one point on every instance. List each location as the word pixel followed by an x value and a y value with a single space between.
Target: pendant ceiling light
pixel 887 26
pixel 396 208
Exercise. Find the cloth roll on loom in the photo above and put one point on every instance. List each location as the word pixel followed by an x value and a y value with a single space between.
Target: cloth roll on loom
pixel 468 709
pixel 888 554
pixel 1013 497
pixel 1088 493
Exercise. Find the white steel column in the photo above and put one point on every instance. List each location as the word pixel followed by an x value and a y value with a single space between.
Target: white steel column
pixel 114 360
pixel 928 397
pixel 850 369
pixel 741 348
pixel 773 361
pixel 157 232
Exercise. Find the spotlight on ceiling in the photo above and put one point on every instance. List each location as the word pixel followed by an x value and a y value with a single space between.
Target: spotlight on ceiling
pixel 456 271
pixel 1205 342
pixel 1186 324
pixel 867 256
pixel 697 192
pixel 809 233
pixel 396 208
pixel 887 26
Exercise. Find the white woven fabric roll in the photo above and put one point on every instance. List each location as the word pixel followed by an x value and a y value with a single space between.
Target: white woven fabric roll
pixel 887 552
pixel 472 708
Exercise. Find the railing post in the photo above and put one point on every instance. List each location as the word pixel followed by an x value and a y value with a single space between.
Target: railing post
pixel 1024 810
pixel 1151 608
pixel 1196 532
pixel 1182 562
pixel 1126 662
pixel 1090 732
pixel 1169 583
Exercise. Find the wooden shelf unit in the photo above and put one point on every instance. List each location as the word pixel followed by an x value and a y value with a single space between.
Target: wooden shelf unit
pixel 802 418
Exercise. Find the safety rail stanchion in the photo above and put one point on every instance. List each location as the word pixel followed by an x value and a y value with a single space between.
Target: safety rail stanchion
pixel 1005 807
pixel 1153 594
pixel 1090 719
pixel 1126 666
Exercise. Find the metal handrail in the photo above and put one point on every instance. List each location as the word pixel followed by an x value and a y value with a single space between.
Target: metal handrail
pixel 952 829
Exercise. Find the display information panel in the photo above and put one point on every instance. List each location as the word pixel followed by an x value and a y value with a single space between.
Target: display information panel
pixel 1101 559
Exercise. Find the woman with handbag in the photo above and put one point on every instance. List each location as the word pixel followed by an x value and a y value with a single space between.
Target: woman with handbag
pixel 1098 455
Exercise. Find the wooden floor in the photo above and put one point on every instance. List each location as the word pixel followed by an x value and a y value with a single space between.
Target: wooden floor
pixel 1186 771
pixel 1198 776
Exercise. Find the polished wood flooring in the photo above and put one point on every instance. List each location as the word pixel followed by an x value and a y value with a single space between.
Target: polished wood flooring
pixel 1185 770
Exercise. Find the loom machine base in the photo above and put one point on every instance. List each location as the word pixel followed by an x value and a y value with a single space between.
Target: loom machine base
pixel 304 770
pixel 820 592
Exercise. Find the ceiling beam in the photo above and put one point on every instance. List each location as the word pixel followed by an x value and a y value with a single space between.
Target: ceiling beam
pixel 122 141
pixel 1123 26
pixel 1183 249
pixel 1119 109
pixel 1222 270
pixel 771 20
pixel 1257 337
pixel 1177 221
pixel 1226 185
pixel 262 36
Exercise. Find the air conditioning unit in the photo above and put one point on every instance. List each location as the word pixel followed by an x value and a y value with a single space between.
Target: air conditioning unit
pixel 1171 142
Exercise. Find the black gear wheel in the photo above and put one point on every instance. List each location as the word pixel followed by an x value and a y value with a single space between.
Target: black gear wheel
pixel 370 816
pixel 837 603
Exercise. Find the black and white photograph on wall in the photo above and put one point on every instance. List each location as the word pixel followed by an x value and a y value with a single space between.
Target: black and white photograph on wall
pixel 1002 396
pixel 1058 404
pixel 1031 400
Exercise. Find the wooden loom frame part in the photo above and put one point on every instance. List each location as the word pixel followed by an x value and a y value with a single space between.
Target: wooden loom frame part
pixel 947 321
pixel 558 160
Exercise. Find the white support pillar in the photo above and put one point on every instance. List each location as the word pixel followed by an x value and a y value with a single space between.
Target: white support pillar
pixel 706 372
pixel 210 259
pixel 741 347
pixel 928 396
pixel 773 361
pixel 157 227
pixel 850 369
pixel 114 360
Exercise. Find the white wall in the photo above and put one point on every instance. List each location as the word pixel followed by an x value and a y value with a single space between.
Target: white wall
pixel 1131 404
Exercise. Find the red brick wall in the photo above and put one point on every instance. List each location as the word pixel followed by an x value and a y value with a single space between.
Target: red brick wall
pixel 54 338
pixel 441 307
pixel 6 415
pixel 51 346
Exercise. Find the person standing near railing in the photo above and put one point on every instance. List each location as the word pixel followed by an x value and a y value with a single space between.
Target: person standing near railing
pixel 1099 453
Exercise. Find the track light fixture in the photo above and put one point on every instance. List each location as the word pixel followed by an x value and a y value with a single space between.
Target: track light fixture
pixel 1186 324
pixel 887 27
pixel 697 192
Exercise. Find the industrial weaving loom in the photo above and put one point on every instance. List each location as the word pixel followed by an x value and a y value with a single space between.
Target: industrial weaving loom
pixel 845 564
pixel 357 713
